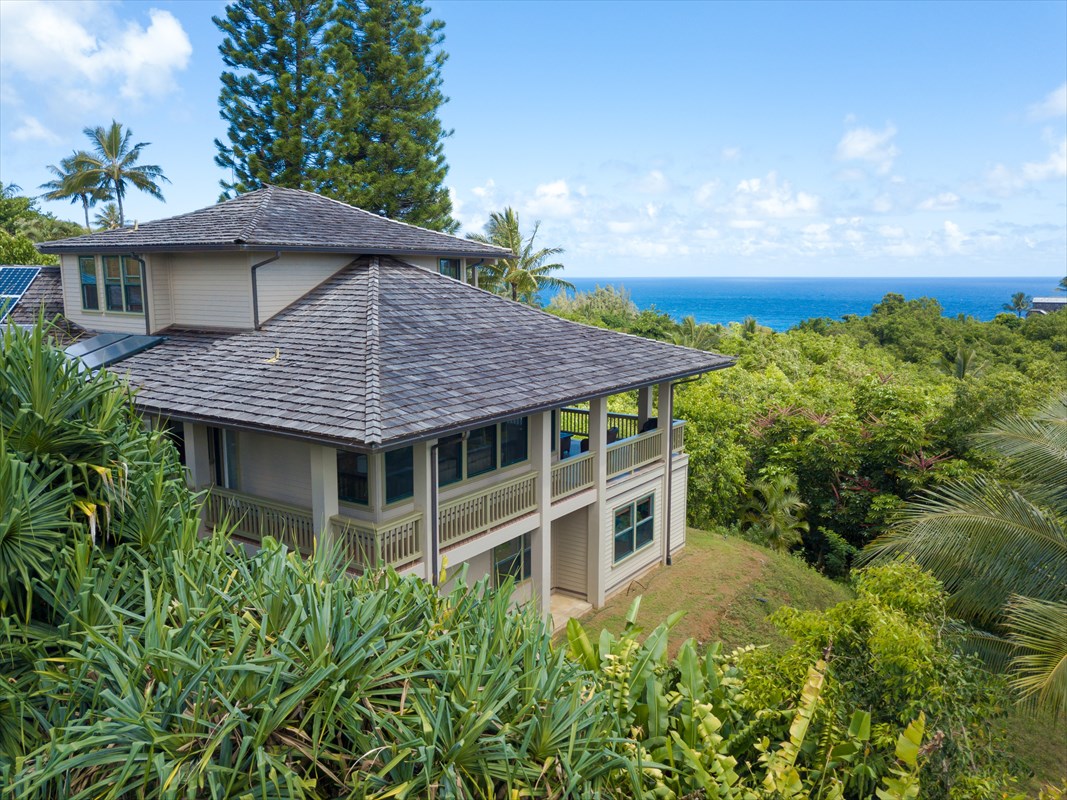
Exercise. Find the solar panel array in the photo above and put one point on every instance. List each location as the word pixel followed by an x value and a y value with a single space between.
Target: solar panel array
pixel 108 348
pixel 14 281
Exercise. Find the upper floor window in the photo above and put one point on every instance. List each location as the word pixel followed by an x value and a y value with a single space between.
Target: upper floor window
pixel 452 267
pixel 399 474
pixel 484 450
pixel 87 278
pixel 122 284
pixel 633 527
pixel 353 471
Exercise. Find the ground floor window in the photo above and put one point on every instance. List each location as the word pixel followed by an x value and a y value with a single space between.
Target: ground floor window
pixel 353 471
pixel 633 527
pixel 223 456
pixel 512 560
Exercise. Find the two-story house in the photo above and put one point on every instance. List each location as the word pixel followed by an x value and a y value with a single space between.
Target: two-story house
pixel 329 372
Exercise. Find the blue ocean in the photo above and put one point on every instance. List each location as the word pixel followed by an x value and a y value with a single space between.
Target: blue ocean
pixel 781 303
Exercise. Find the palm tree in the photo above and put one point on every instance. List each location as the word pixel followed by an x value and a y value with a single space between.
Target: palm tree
pixel 963 364
pixel 73 182
pixel 1020 301
pixel 525 274
pixel 774 510
pixel 699 336
pixel 112 163
pixel 1000 547
pixel 1062 287
pixel 107 219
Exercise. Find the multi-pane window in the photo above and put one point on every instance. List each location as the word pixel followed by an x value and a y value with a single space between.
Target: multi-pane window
pixel 353 470
pixel 633 527
pixel 399 474
pixel 483 451
pixel 223 457
pixel 122 284
pixel 452 267
pixel 512 560
pixel 87 277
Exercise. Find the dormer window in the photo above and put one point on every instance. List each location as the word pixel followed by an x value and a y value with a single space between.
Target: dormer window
pixel 122 284
pixel 87 277
pixel 452 267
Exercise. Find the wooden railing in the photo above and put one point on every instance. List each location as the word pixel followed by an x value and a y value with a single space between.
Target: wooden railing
pixel 629 454
pixel 397 543
pixel 476 513
pixel 572 475
pixel 256 517
pixel 678 436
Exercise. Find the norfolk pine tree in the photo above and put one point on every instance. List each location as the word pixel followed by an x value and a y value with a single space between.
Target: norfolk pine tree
pixel 274 94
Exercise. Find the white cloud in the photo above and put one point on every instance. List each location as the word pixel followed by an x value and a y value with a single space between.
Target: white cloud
pixel 33 130
pixel 1004 180
pixel 1054 105
pixel 765 197
pixel 946 201
pixel 731 154
pixel 82 54
pixel 551 200
pixel 485 190
pixel 747 224
pixel 874 147
pixel 655 182
pixel 706 192
pixel 882 204
pixel 954 237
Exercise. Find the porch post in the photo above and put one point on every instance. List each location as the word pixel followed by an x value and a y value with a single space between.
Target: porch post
pixel 324 500
pixel 644 406
pixel 422 474
pixel 666 427
pixel 598 442
pixel 197 456
pixel 541 538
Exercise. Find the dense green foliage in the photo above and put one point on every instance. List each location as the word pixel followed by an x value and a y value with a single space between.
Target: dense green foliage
pixel 339 97
pixel 861 411
pixel 529 272
pixel 999 543
pixel 22 224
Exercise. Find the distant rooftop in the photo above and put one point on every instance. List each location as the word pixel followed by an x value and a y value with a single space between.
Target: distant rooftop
pixel 1053 300
pixel 274 218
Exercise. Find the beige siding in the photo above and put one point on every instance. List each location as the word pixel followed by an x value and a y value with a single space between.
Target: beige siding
pixel 422 262
pixel 617 575
pixel 161 315
pixel 569 553
pixel 286 280
pixel 211 290
pixel 93 320
pixel 679 486
pixel 275 468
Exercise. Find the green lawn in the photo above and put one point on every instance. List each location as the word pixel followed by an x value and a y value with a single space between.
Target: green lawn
pixel 728 586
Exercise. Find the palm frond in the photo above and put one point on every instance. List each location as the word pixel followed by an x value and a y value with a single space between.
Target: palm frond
pixel 1038 629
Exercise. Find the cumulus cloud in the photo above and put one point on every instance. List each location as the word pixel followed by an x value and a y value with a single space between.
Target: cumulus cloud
pixel 654 182
pixel 1054 105
pixel 766 197
pixel 81 53
pixel 871 146
pixel 1004 180
pixel 553 199
pixel 33 130
pixel 946 201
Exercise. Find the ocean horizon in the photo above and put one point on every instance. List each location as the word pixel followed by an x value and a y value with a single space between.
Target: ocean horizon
pixel 781 303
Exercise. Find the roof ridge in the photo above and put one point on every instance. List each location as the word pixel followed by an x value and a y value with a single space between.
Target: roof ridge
pixel 372 422
pixel 246 232
pixel 396 221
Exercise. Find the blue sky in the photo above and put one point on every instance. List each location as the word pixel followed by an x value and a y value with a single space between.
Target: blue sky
pixel 804 139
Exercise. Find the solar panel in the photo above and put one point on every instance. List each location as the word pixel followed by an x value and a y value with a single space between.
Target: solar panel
pixel 110 348
pixel 14 281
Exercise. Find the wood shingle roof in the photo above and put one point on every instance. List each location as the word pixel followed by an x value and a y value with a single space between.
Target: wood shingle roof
pixel 385 353
pixel 274 218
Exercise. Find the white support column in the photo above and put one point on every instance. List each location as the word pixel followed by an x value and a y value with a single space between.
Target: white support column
pixel 598 442
pixel 197 457
pixel 541 538
pixel 666 425
pixel 324 500
pixel 423 492
pixel 644 406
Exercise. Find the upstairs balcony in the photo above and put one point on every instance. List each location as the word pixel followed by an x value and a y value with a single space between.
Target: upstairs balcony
pixel 400 542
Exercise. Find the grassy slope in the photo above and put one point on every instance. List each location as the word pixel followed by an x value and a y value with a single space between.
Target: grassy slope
pixel 728 587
